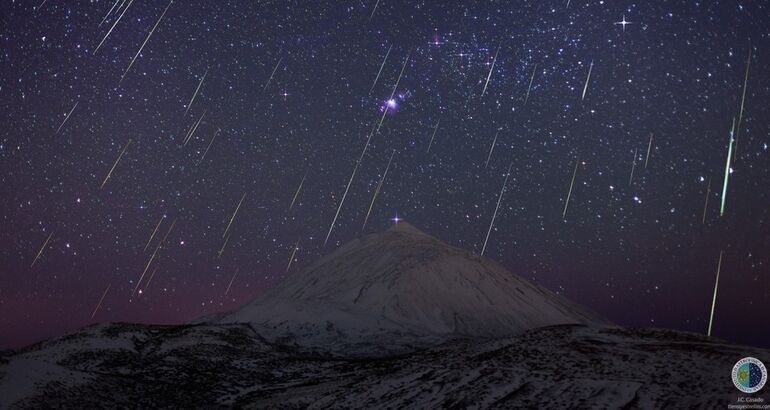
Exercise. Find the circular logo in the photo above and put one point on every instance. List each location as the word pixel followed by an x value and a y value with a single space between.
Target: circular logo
pixel 749 375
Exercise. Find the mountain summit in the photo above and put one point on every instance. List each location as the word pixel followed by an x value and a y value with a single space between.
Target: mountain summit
pixel 400 289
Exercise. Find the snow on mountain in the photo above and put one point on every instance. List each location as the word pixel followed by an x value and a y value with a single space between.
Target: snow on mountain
pixel 400 289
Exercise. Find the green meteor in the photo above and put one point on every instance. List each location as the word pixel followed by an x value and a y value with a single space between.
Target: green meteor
pixel 727 169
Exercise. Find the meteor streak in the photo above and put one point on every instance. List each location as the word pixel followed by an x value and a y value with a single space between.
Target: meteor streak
pixel 231 282
pixel 490 149
pixel 714 298
pixel 296 194
pixel 706 205
pixel 377 190
pixel 381 66
pixel 490 71
pixel 293 252
pixel 591 67
pixel 115 164
pixel 193 129
pixel 154 232
pixel 200 83
pixel 433 136
pixel 530 84
pixel 494 215
pixel 374 9
pixel 149 262
pixel 633 166
pixel 67 117
pixel 146 40
pixel 113 26
pixel 569 194
pixel 649 145
pixel 108 13
pixel 273 73
pixel 234 213
pixel 727 170
pixel 210 142
pixel 743 99
pixel 222 249
pixel 100 300
pixel 355 168
pixel 42 248
pixel 152 275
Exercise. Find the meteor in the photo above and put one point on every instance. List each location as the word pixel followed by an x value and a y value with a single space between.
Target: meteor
pixel 210 142
pixel 727 170
pixel 42 248
pixel 157 248
pixel 374 9
pixel 162 217
pixel 591 67
pixel 193 129
pixel 381 66
pixel 222 249
pixel 569 194
pixel 633 166
pixel 108 13
pixel 490 149
pixel 293 252
pixel 273 73
pixel 146 40
pixel 706 205
pixel 231 282
pixel 433 136
pixel 649 145
pixel 113 26
pixel 490 71
pixel 530 84
pixel 743 99
pixel 100 300
pixel 714 298
pixel 377 190
pixel 494 215
pixel 152 275
pixel 342 201
pixel 67 117
pixel 196 92
pixel 234 213
pixel 296 194
pixel 115 164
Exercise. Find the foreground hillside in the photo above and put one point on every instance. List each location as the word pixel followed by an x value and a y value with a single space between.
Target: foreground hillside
pixel 139 366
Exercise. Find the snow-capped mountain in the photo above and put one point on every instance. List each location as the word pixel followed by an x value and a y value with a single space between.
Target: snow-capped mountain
pixel 398 289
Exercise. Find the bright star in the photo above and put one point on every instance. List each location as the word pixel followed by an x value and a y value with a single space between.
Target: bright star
pixel 623 23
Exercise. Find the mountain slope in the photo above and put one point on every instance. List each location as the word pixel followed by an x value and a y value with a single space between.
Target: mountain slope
pixel 401 289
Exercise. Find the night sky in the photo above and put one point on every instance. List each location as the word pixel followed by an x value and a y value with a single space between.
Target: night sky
pixel 289 91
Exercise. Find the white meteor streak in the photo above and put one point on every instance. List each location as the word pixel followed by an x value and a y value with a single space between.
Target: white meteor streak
pixel 649 146
pixel 193 129
pixel 108 13
pixel 494 60
pixel 714 298
pixel 374 9
pixel 381 66
pixel 526 98
pixel 633 166
pixel 706 204
pixel 113 26
pixel 100 301
pixel 569 194
pixel 231 282
pixel 42 248
pixel 291 258
pixel 145 41
pixel 727 169
pixel 494 215
pixel 234 213
pixel 377 190
pixel 200 83
pixel 342 201
pixel 490 149
pixel 743 99
pixel 296 194
pixel 433 136
pixel 162 217
pixel 209 146
pixel 273 73
pixel 67 117
pixel 588 78
pixel 115 164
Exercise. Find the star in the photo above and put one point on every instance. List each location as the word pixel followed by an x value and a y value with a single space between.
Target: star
pixel 396 219
pixel 623 23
